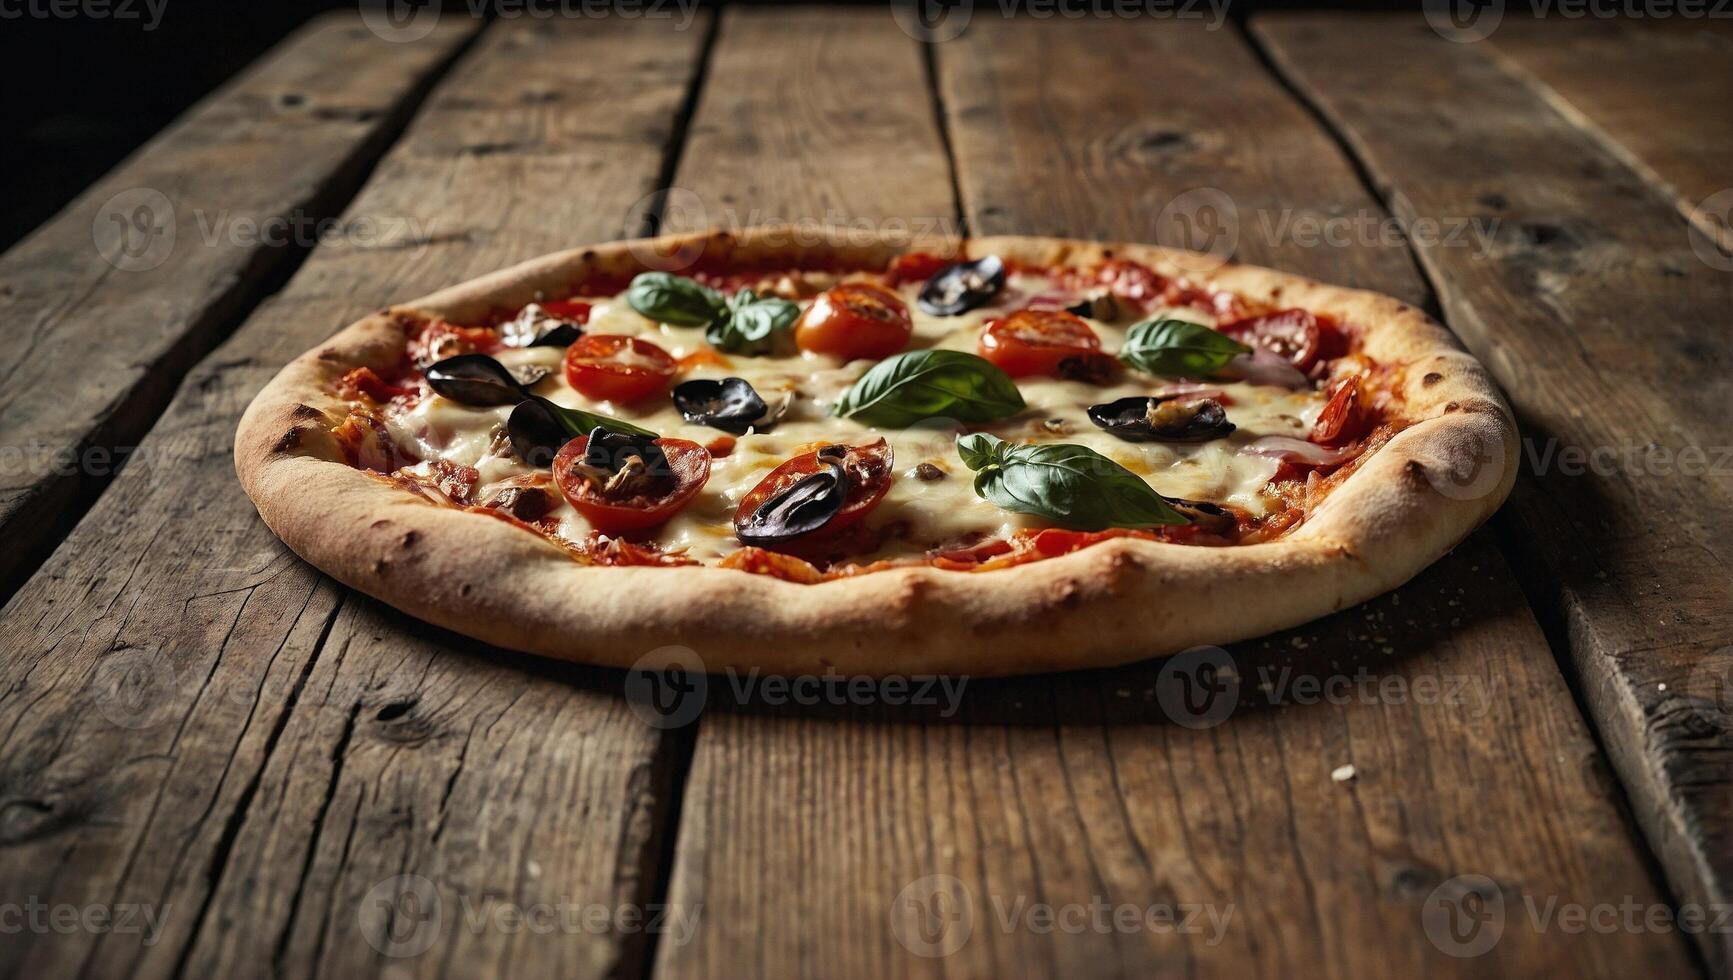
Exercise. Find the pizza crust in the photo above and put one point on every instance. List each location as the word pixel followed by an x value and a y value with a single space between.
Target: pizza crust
pixel 1111 603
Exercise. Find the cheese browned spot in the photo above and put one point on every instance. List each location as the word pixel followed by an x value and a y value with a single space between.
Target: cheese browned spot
pixel 929 513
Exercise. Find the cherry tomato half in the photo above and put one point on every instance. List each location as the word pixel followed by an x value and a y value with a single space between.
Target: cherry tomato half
pixel 1340 421
pixel 1294 334
pixel 869 478
pixel 576 311
pixel 914 267
pixel 1030 342
pixel 855 320
pixel 612 368
pixel 689 467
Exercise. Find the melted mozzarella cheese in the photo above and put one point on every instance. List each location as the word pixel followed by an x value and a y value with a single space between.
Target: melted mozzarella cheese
pixel 932 512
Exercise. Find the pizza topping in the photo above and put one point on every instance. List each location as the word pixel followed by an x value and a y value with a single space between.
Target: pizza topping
pixel 538 326
pixel 622 483
pixel 539 429
pixel 614 368
pixel 523 503
pixel 476 380
pixel 1050 342
pixel 930 384
pixel 1207 517
pixel 752 323
pixel 731 404
pixel 675 300
pixel 913 267
pixel 963 286
pixel 1102 306
pixel 1179 348
pixel 1264 367
pixel 1075 486
pixel 1297 451
pixel 1293 334
pixel 1174 418
pixel 855 320
pixel 1339 422
pixel 826 490
pixel 745 323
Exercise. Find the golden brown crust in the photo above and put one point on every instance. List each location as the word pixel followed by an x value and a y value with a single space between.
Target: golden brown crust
pixel 1111 603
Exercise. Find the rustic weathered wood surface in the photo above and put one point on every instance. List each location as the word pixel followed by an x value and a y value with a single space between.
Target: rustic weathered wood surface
pixel 298 781
pixel 170 250
pixel 1074 790
pixel 1605 322
pixel 196 721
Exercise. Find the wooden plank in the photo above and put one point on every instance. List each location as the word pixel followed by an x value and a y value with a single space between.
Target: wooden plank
pixel 1064 792
pixel 1650 91
pixel 197 722
pixel 133 282
pixel 1594 312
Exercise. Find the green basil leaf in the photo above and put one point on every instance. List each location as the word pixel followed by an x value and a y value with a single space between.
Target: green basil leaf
pixel 1073 486
pixel 1179 349
pixel 916 385
pixel 752 323
pixel 578 422
pixel 675 300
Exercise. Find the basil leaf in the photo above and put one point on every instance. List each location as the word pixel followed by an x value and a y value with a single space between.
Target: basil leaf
pixel 752 323
pixel 1074 486
pixel 923 384
pixel 1179 349
pixel 578 422
pixel 675 300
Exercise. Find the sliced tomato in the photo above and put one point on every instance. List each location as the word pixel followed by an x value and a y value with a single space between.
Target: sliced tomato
pixel 1340 421
pixel 438 340
pixel 613 368
pixel 1030 342
pixel 855 320
pixel 1129 279
pixel 576 311
pixel 914 267
pixel 1294 334
pixel 869 478
pixel 689 467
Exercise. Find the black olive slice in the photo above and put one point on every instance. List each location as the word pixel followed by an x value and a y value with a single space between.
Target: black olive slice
pixel 475 379
pixel 730 404
pixel 962 286
pixel 1205 516
pixel 1175 418
pixel 807 505
pixel 610 451
pixel 537 432
pixel 536 327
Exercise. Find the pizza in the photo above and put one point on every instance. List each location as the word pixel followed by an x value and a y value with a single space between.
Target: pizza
pixel 983 456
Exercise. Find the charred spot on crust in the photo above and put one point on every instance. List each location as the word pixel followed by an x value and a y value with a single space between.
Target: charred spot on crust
pixel 1431 378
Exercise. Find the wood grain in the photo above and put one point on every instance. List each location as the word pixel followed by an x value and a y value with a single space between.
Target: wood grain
pixel 1599 318
pixel 1642 88
pixel 198 722
pixel 806 831
pixel 100 337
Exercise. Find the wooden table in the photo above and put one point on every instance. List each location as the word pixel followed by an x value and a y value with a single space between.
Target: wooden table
pixel 262 772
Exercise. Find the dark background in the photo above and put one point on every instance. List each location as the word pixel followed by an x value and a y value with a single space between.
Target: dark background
pixel 80 93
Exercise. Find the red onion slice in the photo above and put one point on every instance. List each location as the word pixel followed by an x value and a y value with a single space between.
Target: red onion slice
pixel 1265 367
pixel 1296 450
